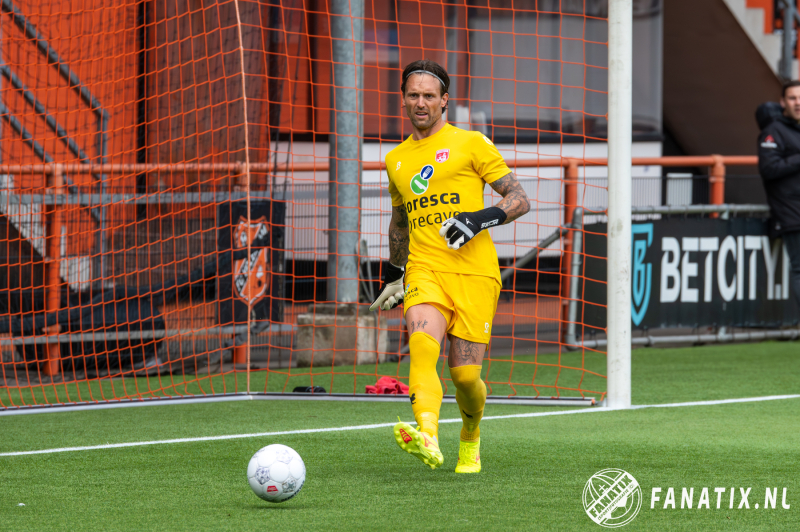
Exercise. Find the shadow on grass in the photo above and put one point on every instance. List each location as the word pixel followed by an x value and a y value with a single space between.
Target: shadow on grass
pixel 271 506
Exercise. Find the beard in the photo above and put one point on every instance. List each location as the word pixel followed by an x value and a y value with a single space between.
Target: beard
pixel 425 123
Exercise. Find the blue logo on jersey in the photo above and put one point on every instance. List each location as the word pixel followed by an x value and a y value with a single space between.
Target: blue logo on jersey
pixel 642 272
pixel 426 172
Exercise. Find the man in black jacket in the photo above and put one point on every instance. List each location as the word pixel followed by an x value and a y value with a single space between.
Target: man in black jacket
pixel 779 166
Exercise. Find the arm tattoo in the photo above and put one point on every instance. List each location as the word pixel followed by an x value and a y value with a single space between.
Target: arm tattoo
pixel 465 352
pixel 402 216
pixel 398 236
pixel 515 202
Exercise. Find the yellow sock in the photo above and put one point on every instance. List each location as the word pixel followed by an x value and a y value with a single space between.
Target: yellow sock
pixel 425 389
pixel 471 398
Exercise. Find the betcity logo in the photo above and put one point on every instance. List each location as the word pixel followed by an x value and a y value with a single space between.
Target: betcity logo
pixel 642 238
pixel 695 269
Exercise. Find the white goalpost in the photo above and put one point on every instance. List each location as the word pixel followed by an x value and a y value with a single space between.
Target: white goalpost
pixel 620 55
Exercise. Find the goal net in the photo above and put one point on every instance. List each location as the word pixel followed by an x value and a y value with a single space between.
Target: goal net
pixel 193 200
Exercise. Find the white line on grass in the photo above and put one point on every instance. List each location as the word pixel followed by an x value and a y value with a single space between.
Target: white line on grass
pixel 721 401
pixel 384 425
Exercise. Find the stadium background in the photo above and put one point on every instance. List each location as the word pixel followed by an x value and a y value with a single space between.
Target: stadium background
pixel 157 119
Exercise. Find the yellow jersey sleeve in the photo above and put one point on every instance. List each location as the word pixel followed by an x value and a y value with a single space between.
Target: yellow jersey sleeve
pixel 486 159
pixel 397 198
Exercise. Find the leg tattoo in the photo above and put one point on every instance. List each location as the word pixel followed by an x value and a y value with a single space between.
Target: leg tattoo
pixel 464 353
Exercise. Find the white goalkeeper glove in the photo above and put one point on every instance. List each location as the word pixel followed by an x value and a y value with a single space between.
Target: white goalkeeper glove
pixel 392 292
pixel 463 227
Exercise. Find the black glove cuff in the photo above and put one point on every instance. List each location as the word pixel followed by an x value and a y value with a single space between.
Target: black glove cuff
pixel 490 217
pixel 391 273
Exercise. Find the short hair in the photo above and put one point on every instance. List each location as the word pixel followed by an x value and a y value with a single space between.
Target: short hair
pixel 428 66
pixel 788 85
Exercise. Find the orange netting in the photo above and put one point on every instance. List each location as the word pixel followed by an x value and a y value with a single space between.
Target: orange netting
pixel 164 189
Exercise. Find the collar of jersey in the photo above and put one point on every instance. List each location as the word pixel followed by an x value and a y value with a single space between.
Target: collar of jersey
pixel 427 139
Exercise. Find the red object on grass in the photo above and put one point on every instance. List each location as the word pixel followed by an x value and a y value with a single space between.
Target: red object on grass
pixel 388 386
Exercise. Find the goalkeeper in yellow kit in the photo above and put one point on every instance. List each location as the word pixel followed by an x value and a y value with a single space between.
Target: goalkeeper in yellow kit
pixel 443 265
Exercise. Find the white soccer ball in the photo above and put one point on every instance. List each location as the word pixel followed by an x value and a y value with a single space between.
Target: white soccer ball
pixel 276 473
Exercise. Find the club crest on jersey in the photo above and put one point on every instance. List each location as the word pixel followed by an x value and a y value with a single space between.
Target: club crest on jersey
pixel 442 156
pixel 419 183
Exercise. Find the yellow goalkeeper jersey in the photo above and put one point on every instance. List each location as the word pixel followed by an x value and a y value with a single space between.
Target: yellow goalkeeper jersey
pixel 439 177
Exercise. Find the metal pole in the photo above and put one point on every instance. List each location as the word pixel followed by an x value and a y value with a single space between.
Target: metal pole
pixel 452 59
pixel 745 336
pixel 716 183
pixel 53 272
pixel 532 254
pixel 787 55
pixel 620 54
pixel 102 141
pixel 570 202
pixel 575 272
pixel 344 213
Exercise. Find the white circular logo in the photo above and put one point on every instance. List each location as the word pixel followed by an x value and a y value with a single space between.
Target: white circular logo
pixel 612 498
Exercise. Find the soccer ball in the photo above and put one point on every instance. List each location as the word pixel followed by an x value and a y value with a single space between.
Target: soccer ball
pixel 276 473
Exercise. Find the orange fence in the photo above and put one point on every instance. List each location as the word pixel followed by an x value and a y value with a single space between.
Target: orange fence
pixel 717 165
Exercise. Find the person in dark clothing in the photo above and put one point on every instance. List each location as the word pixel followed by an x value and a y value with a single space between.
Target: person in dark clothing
pixel 767 112
pixel 779 166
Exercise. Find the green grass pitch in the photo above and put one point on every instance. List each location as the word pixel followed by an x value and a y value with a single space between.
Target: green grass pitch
pixel 534 469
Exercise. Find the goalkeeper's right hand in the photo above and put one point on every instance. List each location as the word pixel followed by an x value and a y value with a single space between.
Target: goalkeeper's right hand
pixel 392 292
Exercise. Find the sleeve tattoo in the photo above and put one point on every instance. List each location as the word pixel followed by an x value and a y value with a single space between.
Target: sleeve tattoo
pixel 398 236
pixel 515 202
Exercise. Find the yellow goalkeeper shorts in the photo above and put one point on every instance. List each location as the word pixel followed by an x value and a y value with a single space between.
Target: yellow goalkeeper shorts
pixel 467 302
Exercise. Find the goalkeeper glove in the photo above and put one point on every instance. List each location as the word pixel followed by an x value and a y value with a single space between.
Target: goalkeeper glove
pixel 392 292
pixel 463 227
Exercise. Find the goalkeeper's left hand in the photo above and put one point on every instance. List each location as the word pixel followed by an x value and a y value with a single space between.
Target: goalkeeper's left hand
pixel 392 292
pixel 463 227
